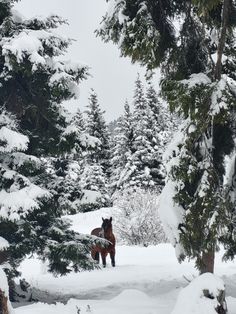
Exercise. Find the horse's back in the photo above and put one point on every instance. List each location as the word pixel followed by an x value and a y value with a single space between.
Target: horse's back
pixel 96 232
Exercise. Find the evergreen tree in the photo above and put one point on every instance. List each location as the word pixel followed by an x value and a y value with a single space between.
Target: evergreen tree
pixel 74 139
pixel 122 148
pixel 96 168
pixel 65 170
pixel 93 181
pixel 200 89
pixel 96 127
pixel 33 83
pixel 62 180
pixel 143 165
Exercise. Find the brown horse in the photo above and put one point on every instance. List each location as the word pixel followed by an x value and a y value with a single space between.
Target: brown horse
pixel 104 232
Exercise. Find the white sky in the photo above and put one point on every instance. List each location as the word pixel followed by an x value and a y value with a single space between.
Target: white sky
pixel 113 77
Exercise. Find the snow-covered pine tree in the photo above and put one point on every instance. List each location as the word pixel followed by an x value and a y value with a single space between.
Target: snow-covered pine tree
pixel 62 180
pixel 199 83
pixel 96 127
pixel 96 167
pixel 64 171
pixel 33 83
pixel 94 185
pixel 163 126
pixel 122 146
pixel 143 165
pixel 73 138
pixel 163 121
pixel 18 195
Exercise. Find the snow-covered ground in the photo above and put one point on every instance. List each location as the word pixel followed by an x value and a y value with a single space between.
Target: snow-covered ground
pixel 146 280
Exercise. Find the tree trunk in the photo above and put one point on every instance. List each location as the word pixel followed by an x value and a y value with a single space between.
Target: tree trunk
pixel 208 261
pixel 222 39
pixel 3 303
pixel 208 258
pixel 4 256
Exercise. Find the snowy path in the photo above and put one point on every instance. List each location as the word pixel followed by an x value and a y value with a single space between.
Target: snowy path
pixel 145 281
pixel 152 270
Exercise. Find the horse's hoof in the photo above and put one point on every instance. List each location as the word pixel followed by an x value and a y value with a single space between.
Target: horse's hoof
pixel 104 266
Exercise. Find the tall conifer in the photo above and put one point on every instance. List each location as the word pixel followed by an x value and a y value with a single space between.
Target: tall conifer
pixel 33 83
pixel 199 84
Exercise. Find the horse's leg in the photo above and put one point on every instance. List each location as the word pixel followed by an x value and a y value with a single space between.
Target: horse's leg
pixel 112 255
pixel 95 255
pixel 104 258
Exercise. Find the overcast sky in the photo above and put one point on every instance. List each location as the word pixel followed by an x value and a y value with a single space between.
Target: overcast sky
pixel 113 77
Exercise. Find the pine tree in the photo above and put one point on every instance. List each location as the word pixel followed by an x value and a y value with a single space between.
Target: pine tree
pixel 123 142
pixel 33 83
pixel 74 139
pixel 200 89
pixel 142 168
pixel 62 179
pixel 96 127
pixel 96 168
pixel 94 185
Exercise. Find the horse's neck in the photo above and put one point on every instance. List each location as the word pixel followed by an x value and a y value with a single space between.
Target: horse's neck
pixel 108 235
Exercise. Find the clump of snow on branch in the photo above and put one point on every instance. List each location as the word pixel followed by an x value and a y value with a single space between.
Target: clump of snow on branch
pixel 26 43
pixel 43 48
pixel 64 75
pixel 19 202
pixel 10 139
pixel 18 159
pixel 116 6
pixel 85 140
pixel 218 99
pixel 137 220
pixel 196 79
pixel 18 195
pixel 171 214
pixel 89 141
pixel 4 244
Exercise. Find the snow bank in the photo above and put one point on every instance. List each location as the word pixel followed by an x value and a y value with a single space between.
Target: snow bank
pixel 129 301
pixel 86 222
pixel 191 300
pixel 89 197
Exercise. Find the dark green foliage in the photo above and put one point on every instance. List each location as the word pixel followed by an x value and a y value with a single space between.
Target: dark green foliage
pixel 36 188
pixel 147 28
pixel 139 142
pixel 34 89
pixel 200 89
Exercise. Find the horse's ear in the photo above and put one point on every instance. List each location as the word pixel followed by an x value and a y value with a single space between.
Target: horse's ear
pixel 103 219
pixel 110 219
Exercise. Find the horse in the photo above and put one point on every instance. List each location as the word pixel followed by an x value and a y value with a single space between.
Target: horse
pixel 104 232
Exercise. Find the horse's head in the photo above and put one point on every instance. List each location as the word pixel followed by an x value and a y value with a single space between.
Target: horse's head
pixel 107 225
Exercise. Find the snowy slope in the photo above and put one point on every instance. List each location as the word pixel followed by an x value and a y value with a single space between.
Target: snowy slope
pixel 145 280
